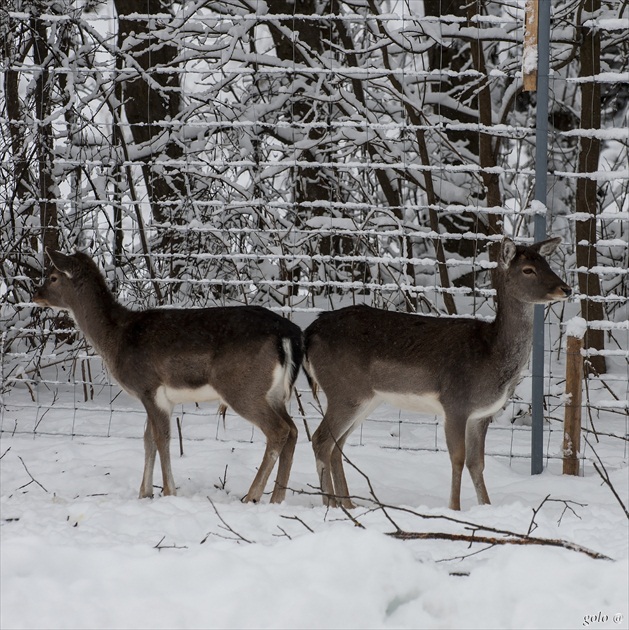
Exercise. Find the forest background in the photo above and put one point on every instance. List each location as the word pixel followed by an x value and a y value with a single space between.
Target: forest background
pixel 306 155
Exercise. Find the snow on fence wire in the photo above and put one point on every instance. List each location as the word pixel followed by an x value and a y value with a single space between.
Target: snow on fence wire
pixel 305 162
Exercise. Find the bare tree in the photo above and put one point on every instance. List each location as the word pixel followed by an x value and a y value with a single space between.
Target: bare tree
pixel 148 51
pixel 587 188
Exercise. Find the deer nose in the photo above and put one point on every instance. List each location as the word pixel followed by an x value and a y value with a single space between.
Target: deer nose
pixel 567 290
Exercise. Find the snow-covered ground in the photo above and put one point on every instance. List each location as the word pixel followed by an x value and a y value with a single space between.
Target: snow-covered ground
pixel 79 550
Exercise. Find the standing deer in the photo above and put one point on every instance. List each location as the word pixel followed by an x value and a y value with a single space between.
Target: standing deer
pixel 463 369
pixel 246 357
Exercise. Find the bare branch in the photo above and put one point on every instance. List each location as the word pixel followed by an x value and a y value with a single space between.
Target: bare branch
pixel 226 526
pixel 33 480
pixel 517 539
pixel 296 518
pixel 159 545
pixel 605 477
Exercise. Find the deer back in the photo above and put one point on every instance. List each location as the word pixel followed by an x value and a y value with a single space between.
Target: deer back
pixel 427 362
pixel 181 349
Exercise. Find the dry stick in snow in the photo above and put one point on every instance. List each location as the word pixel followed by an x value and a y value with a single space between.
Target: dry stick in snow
pixel 296 518
pixel 159 545
pixel 604 475
pixel 222 481
pixel 33 480
pixel 567 507
pixel 180 436
pixel 517 539
pixel 226 526
pixel 510 538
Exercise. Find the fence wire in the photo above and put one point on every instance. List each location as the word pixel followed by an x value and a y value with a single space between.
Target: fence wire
pixel 305 156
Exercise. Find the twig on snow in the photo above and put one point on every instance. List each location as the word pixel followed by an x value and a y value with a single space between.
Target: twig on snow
pixel 224 525
pixel 501 536
pixel 604 475
pixel 567 507
pixel 513 539
pixel 222 481
pixel 159 545
pixel 296 518
pixel 33 480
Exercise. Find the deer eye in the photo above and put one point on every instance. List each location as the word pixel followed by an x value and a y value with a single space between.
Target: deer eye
pixel 528 270
pixel 53 278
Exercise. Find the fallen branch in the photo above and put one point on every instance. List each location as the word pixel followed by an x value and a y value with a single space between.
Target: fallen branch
pixel 33 480
pixel 567 508
pixel 296 518
pixel 513 539
pixel 159 545
pixel 500 536
pixel 226 526
pixel 605 477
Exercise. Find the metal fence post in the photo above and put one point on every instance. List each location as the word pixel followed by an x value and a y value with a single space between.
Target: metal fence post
pixel 541 169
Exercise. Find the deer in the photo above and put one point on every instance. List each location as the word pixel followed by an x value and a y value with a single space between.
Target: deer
pixel 462 369
pixel 244 357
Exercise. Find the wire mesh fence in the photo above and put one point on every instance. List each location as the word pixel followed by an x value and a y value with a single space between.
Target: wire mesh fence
pixel 305 156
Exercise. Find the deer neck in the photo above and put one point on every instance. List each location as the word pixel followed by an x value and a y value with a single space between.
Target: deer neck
pixel 99 316
pixel 513 328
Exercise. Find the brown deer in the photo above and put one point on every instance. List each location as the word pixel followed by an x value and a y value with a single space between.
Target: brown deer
pixel 246 357
pixel 462 369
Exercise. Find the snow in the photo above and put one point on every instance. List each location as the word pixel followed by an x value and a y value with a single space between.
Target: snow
pixel 79 550
pixel 529 60
pixel 576 327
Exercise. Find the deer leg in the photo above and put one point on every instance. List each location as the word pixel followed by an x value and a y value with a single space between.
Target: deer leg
pixel 341 488
pixel 150 450
pixel 277 432
pixel 159 421
pixel 286 458
pixel 476 432
pixel 323 441
pixel 455 440
pixel 340 419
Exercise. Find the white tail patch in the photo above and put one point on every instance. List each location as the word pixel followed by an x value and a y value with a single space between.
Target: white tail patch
pixel 289 367
pixel 281 387
pixel 314 383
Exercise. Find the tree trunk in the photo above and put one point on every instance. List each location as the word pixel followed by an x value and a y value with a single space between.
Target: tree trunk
pixel 455 58
pixel 152 101
pixel 316 183
pixel 43 95
pixel 586 200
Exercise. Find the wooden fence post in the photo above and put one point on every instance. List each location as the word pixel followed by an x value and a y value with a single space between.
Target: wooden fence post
pixel 574 385
pixel 529 56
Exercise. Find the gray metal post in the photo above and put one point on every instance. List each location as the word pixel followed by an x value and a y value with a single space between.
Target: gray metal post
pixel 541 171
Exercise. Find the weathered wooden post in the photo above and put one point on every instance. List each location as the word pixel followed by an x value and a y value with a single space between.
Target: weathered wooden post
pixel 574 383
pixel 529 55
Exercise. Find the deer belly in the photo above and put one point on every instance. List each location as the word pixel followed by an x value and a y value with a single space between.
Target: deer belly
pixel 424 403
pixel 491 409
pixel 166 396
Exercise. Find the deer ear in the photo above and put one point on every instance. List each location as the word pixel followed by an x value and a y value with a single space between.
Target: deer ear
pixel 546 248
pixel 60 261
pixel 507 252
